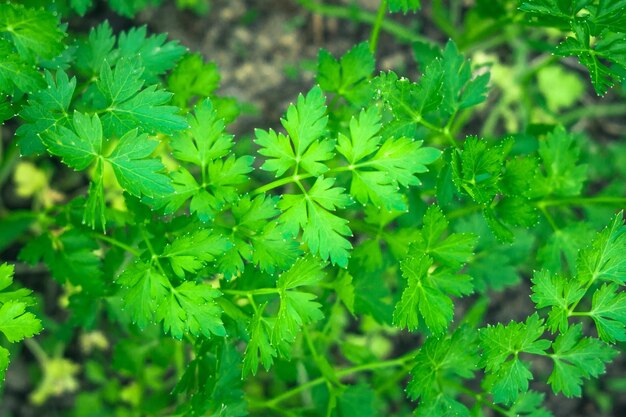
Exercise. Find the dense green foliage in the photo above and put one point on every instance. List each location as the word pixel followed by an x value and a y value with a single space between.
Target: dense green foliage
pixel 327 266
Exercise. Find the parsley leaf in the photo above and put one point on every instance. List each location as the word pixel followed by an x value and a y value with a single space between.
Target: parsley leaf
pixel 259 348
pixel 129 106
pixel 426 293
pixel 257 238
pixel 395 162
pixel 507 374
pixel 135 171
pixel 608 311
pixel 192 78
pixel 16 73
pixel 323 231
pixel 191 252
pixel 79 147
pixel 347 77
pixel 577 358
pixel 191 308
pixel 16 323
pixel 562 175
pixel 304 146
pixel 452 251
pixel 558 293
pixel 297 308
pixel 143 290
pixel 404 5
pixel 605 258
pixel 35 33
pixel 440 361
pixel 46 109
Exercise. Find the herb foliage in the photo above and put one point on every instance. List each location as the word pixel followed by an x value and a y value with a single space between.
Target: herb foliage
pixel 293 261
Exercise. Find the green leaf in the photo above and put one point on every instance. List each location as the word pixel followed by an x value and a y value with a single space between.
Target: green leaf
pixel 347 77
pixel 507 375
pixel 69 256
pixel 323 231
pixel 454 250
pixel 16 73
pixel 305 271
pixel 297 308
pixel 364 136
pixel 129 8
pixel 79 147
pixel 441 361
pixel 192 78
pixel 477 169
pixel 558 293
pixel 36 33
pixel 608 311
pixel 4 363
pixel 403 158
pixel 257 238
pixel 358 401
pixel 259 348
pixel 129 106
pixel 46 109
pixel 609 48
pixel 143 290
pixel 190 253
pixel 16 323
pixel 136 172
pixel 81 6
pixel 605 258
pixel 93 52
pixel 577 358
pixel 562 175
pixel 529 404
pixel 206 139
pixel 395 162
pixel 156 55
pixel 191 308
pixel 426 295
pixel 562 247
pixel 460 90
pixel 409 102
pixel 404 5
pixel 305 145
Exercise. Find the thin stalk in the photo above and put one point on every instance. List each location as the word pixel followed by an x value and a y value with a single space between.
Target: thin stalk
pixel 358 15
pixel 480 399
pixel 593 112
pixel 340 374
pixel 582 201
pixel 34 347
pixel 154 256
pixel 246 293
pixel 380 18
pixel 117 243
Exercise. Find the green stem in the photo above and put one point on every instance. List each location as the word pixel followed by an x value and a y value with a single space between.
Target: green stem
pixel 380 18
pixel 582 201
pixel 548 217
pixel 279 183
pixel 7 163
pixel 340 374
pixel 593 112
pixel 480 399
pixel 117 243
pixel 358 15
pixel 246 293
pixel 34 347
pixel 154 257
